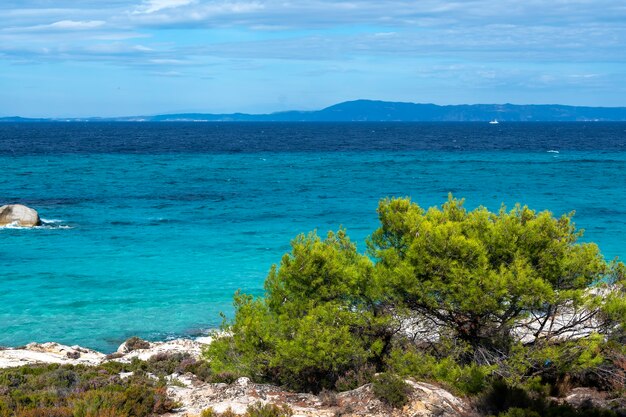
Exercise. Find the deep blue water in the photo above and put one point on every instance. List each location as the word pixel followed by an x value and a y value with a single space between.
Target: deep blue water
pixel 153 226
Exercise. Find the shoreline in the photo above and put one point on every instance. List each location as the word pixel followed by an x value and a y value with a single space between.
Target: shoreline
pixel 56 353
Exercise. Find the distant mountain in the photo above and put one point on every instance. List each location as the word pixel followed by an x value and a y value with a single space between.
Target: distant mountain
pixel 385 111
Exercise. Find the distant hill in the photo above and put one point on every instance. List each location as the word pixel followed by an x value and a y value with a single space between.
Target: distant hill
pixel 385 111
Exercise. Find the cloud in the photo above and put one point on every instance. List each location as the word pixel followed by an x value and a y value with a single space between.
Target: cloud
pixel 75 25
pixel 61 25
pixel 152 6
pixel 329 35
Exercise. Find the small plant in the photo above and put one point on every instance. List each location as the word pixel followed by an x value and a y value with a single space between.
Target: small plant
pixel 224 377
pixel 257 410
pixel 519 412
pixel 328 398
pixel 114 355
pixel 355 378
pixel 391 389
pixel 80 391
pixel 268 410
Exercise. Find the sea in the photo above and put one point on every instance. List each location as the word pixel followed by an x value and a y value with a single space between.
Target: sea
pixel 150 228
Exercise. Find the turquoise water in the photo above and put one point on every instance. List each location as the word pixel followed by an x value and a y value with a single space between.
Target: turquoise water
pixel 155 244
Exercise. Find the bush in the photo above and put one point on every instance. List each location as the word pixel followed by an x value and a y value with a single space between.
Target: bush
pixel 136 343
pixel 79 391
pixel 519 412
pixel 391 389
pixel 462 379
pixel 318 321
pixel 268 410
pixel 478 275
pixel 355 378
pixel 453 296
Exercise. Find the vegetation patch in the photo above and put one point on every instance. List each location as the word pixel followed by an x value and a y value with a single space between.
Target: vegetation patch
pixel 391 389
pixel 256 410
pixel 80 391
pixel 463 298
pixel 136 343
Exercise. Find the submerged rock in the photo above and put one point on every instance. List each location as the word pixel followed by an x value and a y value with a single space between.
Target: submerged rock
pixel 19 215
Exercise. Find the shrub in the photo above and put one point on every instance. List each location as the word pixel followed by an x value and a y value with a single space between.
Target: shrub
pixel 391 389
pixel 79 391
pixel 519 412
pixel 318 320
pixel 136 343
pixel 477 275
pixel 268 410
pixel 463 379
pixel 483 292
pixel 355 378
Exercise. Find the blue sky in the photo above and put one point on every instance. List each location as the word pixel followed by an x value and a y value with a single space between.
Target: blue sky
pixel 122 57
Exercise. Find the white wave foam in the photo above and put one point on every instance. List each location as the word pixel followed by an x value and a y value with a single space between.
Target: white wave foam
pixel 45 225
pixel 553 151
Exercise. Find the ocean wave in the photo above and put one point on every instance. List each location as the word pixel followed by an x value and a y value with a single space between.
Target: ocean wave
pixel 51 221
pixel 46 224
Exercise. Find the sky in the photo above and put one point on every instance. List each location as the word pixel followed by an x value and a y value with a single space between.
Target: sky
pixel 62 58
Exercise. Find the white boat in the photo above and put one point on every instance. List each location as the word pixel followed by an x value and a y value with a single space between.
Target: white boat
pixel 493 122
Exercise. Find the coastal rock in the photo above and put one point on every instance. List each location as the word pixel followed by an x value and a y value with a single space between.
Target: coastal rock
pixel 191 347
pixel 426 400
pixel 583 397
pixel 19 215
pixel 37 353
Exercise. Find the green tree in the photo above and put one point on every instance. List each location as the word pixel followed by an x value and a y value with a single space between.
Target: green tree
pixel 319 319
pixel 446 294
pixel 488 278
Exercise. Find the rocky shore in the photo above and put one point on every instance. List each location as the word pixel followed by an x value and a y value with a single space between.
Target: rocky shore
pixel 194 395
pixel 51 352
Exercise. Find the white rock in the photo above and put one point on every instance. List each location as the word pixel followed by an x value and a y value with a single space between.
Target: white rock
pixel 19 215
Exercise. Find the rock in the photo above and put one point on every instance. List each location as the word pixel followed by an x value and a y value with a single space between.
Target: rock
pixel 134 343
pixel 582 398
pixel 20 215
pixel 425 400
pixel 35 353
pixel 191 347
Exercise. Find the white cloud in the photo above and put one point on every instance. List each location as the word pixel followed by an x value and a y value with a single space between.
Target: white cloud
pixel 153 6
pixel 76 25
pixel 61 25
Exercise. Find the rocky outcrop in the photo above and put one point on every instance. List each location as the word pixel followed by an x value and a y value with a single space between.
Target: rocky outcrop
pixel 195 395
pixel 50 352
pixel 584 397
pixel 19 215
pixel 425 400
pixel 35 353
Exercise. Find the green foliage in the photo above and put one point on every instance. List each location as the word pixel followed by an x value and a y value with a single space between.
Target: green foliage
pixel 476 273
pixel 463 379
pixel 503 400
pixel 163 364
pixel 79 391
pixel 391 389
pixel 450 295
pixel 320 319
